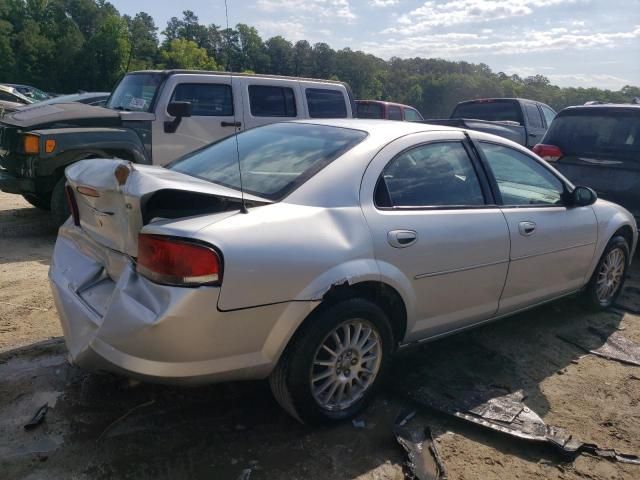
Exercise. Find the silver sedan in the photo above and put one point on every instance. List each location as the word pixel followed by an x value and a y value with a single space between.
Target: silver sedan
pixel 308 252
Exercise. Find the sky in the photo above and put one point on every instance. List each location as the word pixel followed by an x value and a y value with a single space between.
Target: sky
pixel 581 43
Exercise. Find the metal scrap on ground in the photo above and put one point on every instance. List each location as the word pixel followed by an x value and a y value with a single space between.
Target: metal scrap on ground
pixel 505 412
pixel 614 346
pixel 423 459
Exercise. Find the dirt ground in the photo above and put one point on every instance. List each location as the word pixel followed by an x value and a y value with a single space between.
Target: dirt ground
pixel 104 427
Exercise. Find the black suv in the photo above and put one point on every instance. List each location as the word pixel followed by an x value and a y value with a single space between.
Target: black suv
pixel 598 146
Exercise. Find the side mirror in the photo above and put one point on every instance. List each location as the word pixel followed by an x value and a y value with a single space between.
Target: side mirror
pixel 583 196
pixel 179 110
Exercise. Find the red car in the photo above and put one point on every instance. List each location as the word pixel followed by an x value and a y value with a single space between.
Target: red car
pixel 386 110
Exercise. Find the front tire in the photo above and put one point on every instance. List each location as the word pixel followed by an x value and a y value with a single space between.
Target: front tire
pixel 59 206
pixel 39 200
pixel 608 278
pixel 335 364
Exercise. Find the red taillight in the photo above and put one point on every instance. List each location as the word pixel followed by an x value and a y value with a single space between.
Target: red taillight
pixel 180 262
pixel 73 206
pixel 550 153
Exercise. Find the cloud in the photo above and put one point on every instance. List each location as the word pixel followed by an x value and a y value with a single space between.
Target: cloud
pixel 292 30
pixel 321 8
pixel 459 45
pixel 383 3
pixel 599 80
pixel 446 14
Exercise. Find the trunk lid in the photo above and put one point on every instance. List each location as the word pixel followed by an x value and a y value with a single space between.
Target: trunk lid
pixel 116 198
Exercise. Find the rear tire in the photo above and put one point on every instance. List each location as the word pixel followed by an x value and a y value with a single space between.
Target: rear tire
pixel 39 200
pixel 608 278
pixel 59 206
pixel 335 363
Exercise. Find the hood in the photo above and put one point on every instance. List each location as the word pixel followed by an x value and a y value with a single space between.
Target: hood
pixel 63 115
pixel 115 198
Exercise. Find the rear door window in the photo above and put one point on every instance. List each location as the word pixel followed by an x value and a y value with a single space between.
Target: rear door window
pixel 272 101
pixel 394 113
pixel 207 99
pixel 522 181
pixel 533 115
pixel 412 115
pixel 369 110
pixel 436 174
pixel 325 103
pixel 597 131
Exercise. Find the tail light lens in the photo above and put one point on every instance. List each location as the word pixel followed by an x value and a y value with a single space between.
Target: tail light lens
pixel 550 153
pixel 73 206
pixel 180 262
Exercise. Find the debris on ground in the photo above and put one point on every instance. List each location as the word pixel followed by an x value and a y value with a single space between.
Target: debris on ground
pixel 122 417
pixel 245 474
pixel 423 460
pixel 404 417
pixel 358 423
pixel 490 407
pixel 38 418
pixel 613 347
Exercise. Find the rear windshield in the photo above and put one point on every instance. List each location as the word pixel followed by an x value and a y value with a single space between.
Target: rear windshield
pixel 369 110
pixel 597 131
pixel 274 159
pixel 490 110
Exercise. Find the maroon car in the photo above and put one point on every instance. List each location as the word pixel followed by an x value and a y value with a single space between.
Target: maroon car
pixel 386 110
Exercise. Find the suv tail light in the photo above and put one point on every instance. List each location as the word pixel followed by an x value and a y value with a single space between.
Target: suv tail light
pixel 73 206
pixel 175 261
pixel 550 153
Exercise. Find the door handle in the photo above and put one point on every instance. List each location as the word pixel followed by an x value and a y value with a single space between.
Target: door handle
pixel 533 134
pixel 231 124
pixel 526 228
pixel 402 238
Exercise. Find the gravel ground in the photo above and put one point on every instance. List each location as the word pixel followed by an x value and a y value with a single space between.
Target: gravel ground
pixel 102 426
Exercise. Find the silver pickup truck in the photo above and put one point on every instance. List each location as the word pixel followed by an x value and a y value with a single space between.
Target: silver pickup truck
pixel 517 119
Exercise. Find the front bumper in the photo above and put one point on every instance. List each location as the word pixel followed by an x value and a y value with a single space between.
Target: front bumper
pixel 116 320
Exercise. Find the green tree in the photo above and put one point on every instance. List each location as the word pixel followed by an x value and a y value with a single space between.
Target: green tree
pixel 280 53
pixel 143 39
pixel 186 54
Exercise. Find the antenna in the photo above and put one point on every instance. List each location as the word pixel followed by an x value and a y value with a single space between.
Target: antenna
pixel 243 207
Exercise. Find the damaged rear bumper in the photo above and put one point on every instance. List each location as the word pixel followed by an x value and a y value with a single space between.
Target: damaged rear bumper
pixel 116 320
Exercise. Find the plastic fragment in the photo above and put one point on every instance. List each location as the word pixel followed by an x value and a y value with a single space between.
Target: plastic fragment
pixel 38 418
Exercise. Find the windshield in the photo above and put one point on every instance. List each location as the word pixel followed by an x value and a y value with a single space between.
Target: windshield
pixel 275 159
pixel 489 110
pixel 597 131
pixel 33 93
pixel 135 92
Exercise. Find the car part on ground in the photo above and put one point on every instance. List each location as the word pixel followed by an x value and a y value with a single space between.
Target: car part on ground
pixel 342 272
pixel 492 407
pixel 423 459
pixel 614 346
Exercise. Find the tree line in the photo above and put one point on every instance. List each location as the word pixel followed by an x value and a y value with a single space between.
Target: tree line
pixel 69 45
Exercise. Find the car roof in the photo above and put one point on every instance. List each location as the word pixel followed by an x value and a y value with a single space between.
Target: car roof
pixel 384 128
pixel 383 102
pixel 229 74
pixel 600 106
